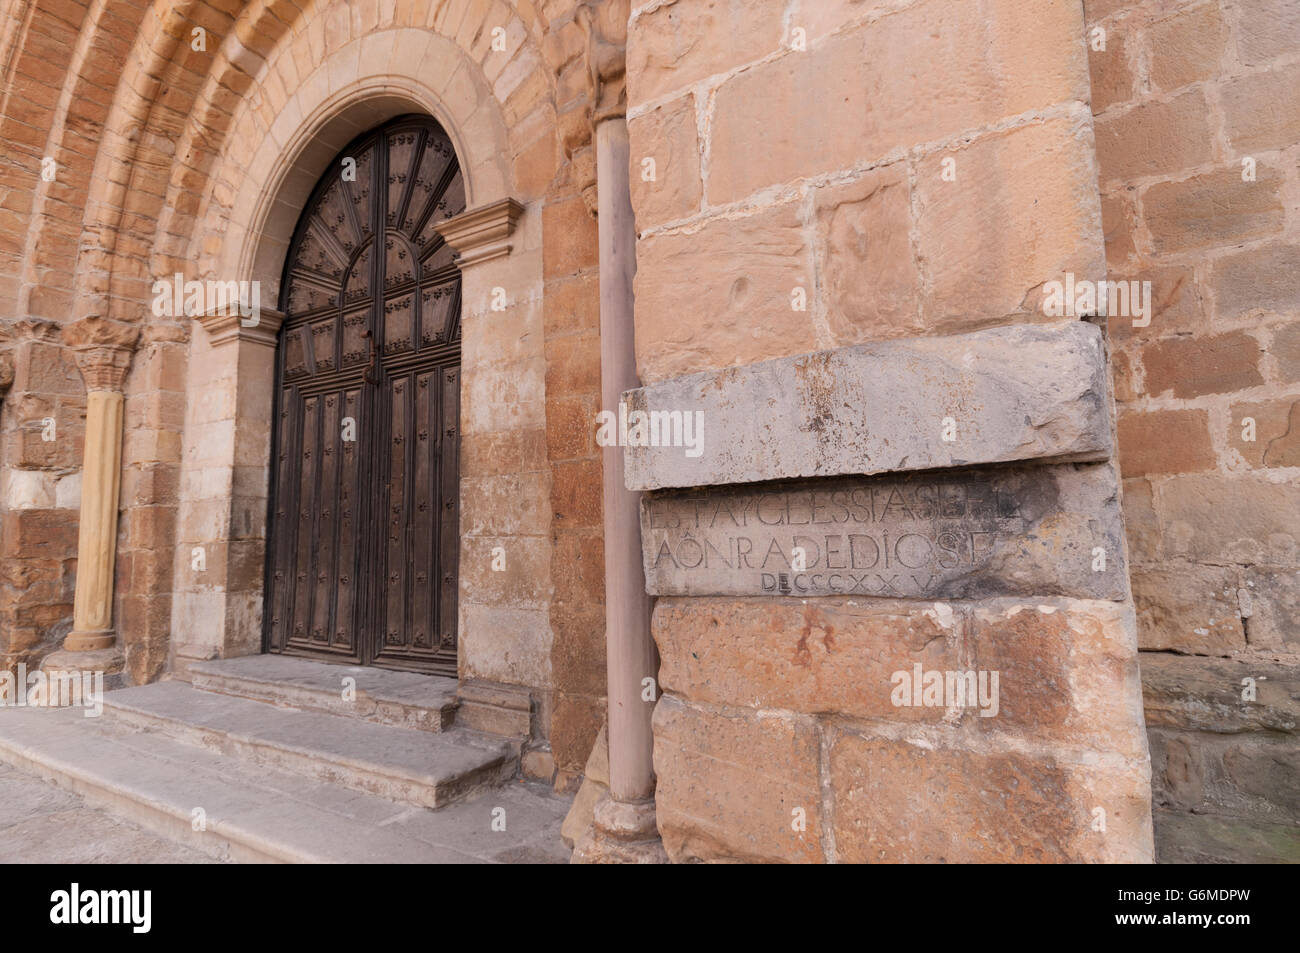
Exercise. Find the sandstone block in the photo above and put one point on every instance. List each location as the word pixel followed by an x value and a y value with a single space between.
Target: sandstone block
pixel 1067 672
pixel 1286 351
pixel 1112 72
pixel 722 295
pixel 1271 606
pixel 1187 47
pixel 1164 441
pixel 713 806
pixel 821 656
pixel 571 238
pixel 1176 303
pixel 1274 430
pixel 1207 694
pixel 917 75
pixel 1141 527
pixel 1269 28
pixel 1010 393
pixel 677 44
pixel 899 801
pixel 1244 518
pixel 1117 217
pixel 1260 110
pixel 1216 208
pixel 667 136
pixel 869 272
pixel 1211 364
pixel 1260 279
pixel 1029 193
pixel 1190 608
pixel 1157 138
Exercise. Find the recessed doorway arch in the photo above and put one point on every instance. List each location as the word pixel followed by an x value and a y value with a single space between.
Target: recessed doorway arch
pixel 363 534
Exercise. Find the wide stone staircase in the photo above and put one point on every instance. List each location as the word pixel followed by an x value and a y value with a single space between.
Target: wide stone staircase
pixel 268 758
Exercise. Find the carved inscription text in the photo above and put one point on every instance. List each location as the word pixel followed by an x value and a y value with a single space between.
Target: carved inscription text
pixel 918 536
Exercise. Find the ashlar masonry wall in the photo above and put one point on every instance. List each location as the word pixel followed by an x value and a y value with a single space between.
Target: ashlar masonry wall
pixel 1198 143
pixel 849 214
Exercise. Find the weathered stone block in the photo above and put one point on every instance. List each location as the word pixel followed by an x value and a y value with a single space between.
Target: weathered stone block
pixel 957 534
pixel 821 656
pixel 870 279
pixel 922 801
pixel 1067 673
pixel 1258 279
pixel 1260 110
pixel 667 137
pixel 1230 518
pixel 1164 441
pixel 862 92
pixel 1009 393
pixel 1213 209
pixel 730 305
pixel 1029 192
pixel 714 806
pixel 1211 694
pixel 1189 608
pixel 1271 607
pixel 1273 439
pixel 1154 138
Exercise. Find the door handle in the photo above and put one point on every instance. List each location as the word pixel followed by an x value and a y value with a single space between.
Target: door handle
pixel 371 374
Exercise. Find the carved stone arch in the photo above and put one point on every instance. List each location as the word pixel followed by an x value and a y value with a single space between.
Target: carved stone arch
pixel 225 476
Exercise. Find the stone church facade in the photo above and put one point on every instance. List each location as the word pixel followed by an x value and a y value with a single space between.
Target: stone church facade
pixel 702 391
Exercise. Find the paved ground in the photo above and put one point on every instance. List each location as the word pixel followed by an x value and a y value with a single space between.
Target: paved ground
pixel 42 823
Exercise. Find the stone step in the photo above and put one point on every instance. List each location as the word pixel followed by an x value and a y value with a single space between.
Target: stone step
pixel 401 764
pixel 233 810
pixel 401 699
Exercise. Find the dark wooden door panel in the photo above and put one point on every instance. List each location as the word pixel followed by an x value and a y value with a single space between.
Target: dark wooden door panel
pixel 362 552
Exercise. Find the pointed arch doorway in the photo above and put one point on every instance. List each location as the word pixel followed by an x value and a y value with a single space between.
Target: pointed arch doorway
pixel 361 558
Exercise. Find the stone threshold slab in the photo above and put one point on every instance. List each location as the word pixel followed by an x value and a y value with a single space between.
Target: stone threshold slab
pixel 1004 394
pixel 256 814
pixel 400 699
pixel 953 534
pixel 419 767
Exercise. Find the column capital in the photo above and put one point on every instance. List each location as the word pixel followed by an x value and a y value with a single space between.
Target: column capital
pixel 223 328
pixel 480 234
pixel 102 349
pixel 604 27
pixel 6 373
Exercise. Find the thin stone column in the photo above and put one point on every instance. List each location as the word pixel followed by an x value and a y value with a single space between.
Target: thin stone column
pixel 630 648
pixel 625 830
pixel 103 352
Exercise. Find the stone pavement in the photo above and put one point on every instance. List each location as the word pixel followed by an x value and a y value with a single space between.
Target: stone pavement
pixel 42 823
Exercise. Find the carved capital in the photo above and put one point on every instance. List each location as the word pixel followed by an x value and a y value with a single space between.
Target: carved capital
pixel 261 328
pixel 6 372
pixel 604 27
pixel 103 350
pixel 481 233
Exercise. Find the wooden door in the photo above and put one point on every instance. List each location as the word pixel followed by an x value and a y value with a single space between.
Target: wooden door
pixel 361 562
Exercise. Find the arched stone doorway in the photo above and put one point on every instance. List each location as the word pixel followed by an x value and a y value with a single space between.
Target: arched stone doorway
pixel 362 549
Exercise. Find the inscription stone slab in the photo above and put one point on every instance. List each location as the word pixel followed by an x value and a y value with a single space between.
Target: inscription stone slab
pixel 966 533
pixel 1003 394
